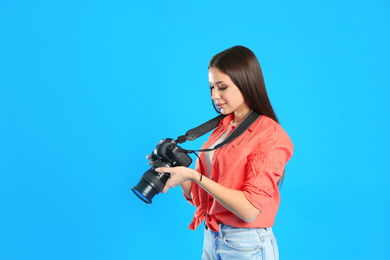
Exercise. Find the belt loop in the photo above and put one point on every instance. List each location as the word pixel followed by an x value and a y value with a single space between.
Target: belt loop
pixel 220 234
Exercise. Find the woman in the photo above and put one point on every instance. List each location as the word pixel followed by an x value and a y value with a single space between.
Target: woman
pixel 235 188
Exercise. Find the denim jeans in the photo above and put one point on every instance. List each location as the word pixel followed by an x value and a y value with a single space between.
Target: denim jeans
pixel 239 243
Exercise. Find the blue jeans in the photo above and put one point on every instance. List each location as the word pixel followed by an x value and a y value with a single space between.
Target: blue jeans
pixel 239 243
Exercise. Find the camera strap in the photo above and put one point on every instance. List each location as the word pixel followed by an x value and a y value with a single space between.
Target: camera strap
pixel 204 128
pixel 213 123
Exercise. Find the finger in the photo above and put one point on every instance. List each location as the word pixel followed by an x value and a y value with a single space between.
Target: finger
pixel 151 162
pixel 167 186
pixel 164 169
pixel 148 157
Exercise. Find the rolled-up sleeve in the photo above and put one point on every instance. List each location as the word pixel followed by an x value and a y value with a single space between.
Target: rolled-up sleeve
pixel 264 170
pixel 188 199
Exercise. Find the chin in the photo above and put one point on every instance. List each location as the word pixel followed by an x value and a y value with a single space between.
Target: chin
pixel 225 112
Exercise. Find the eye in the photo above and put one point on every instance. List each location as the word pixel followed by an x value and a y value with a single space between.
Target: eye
pixel 222 87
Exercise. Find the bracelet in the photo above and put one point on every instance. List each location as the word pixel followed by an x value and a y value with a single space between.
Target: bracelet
pixel 201 175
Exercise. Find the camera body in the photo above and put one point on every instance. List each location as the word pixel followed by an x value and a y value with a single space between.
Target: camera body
pixel 169 153
pixel 166 154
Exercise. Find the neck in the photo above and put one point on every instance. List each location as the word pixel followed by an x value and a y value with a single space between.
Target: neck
pixel 239 115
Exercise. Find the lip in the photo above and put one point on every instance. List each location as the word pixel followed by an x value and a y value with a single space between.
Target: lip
pixel 220 106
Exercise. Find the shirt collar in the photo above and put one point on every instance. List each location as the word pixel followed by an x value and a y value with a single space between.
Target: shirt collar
pixel 226 121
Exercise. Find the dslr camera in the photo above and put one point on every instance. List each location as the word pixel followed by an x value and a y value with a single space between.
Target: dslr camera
pixel 166 154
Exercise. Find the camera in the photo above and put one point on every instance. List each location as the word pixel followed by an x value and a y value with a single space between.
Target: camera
pixel 166 154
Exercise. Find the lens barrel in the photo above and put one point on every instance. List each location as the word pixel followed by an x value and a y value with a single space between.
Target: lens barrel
pixel 151 183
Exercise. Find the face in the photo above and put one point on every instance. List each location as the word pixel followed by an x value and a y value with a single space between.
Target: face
pixel 226 95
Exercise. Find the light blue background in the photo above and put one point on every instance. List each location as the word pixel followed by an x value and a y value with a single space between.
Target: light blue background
pixel 88 88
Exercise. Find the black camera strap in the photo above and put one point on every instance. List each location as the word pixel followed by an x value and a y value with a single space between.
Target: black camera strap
pixel 213 123
pixel 204 128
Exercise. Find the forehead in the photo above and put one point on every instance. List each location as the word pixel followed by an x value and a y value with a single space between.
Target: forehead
pixel 217 76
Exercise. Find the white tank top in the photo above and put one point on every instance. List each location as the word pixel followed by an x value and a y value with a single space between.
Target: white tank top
pixel 208 156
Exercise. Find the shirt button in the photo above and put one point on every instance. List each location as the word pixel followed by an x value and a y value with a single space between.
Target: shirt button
pixel 205 215
pixel 210 199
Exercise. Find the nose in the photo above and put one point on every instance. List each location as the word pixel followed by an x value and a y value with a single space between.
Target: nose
pixel 214 94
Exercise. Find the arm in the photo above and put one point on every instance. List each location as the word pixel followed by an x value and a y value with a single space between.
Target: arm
pixel 233 200
pixel 186 187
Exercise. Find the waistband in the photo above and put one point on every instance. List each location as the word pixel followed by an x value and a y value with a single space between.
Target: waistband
pixel 223 228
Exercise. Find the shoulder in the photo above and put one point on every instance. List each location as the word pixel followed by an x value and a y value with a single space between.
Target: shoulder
pixel 273 144
pixel 269 131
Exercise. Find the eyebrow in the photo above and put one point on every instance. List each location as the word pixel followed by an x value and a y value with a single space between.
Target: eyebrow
pixel 216 83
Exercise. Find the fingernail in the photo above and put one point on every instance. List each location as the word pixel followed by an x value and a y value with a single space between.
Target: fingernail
pixel 157 169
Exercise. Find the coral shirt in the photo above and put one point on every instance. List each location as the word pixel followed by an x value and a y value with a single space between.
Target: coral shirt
pixel 252 163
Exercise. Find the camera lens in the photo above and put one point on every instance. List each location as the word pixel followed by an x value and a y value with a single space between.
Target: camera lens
pixel 151 183
pixel 144 191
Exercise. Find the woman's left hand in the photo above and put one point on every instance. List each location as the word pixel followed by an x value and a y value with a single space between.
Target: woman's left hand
pixel 178 174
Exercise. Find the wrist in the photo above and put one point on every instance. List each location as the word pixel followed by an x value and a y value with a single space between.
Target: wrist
pixel 196 176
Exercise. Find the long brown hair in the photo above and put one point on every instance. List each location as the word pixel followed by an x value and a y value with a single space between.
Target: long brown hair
pixel 243 68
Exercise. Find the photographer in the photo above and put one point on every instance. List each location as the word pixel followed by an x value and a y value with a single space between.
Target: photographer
pixel 235 188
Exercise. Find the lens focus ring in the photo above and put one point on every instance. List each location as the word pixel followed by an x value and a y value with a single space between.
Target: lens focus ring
pixel 154 180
